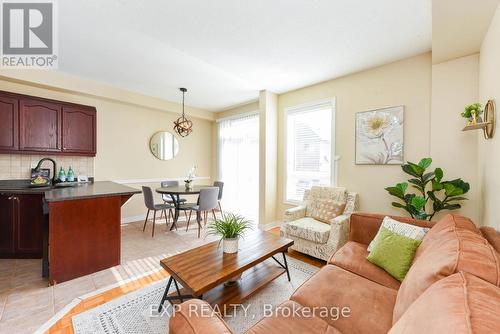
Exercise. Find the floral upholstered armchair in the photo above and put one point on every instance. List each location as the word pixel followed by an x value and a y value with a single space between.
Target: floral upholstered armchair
pixel 320 224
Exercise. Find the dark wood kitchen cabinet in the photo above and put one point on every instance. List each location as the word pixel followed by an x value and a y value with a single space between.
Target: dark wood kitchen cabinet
pixel 79 129
pixel 21 225
pixel 6 225
pixel 31 124
pixel 39 126
pixel 9 120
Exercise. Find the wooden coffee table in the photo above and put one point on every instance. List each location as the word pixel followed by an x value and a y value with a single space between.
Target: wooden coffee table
pixel 202 271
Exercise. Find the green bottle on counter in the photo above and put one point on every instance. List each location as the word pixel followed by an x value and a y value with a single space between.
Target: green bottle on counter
pixel 71 176
pixel 62 175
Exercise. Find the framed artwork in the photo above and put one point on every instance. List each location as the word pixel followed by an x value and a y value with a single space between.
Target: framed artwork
pixel 379 136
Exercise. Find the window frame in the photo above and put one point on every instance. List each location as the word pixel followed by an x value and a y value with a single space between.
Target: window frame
pixel 333 160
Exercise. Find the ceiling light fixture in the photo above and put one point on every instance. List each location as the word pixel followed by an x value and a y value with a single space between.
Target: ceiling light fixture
pixel 183 126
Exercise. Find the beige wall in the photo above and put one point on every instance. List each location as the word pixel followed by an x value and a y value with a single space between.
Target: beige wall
pixel 123 132
pixel 406 82
pixel 488 150
pixel 455 85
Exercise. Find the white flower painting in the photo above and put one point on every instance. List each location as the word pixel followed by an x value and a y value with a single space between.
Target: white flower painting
pixel 379 136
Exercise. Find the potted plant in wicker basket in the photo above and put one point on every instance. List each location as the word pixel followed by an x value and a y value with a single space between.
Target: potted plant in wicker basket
pixel 230 229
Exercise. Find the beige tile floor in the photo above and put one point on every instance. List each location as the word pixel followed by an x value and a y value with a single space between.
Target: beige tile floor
pixel 27 301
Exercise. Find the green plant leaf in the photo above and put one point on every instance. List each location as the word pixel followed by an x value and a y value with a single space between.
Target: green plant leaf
pixel 427 177
pixel 451 190
pixel 398 205
pixel 418 170
pixel 231 226
pixel 439 174
pixel 459 183
pixel 425 162
pixel 431 195
pixel 418 202
pixel 408 169
pixel 460 198
pixel 436 185
pixel 451 206
pixel 399 190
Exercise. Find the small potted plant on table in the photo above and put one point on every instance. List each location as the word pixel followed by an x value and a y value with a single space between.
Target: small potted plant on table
pixel 230 229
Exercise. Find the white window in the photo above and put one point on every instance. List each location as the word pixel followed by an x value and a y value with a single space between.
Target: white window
pixel 309 148
pixel 238 150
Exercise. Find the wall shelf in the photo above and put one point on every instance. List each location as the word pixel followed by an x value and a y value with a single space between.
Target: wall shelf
pixel 475 126
pixel 488 126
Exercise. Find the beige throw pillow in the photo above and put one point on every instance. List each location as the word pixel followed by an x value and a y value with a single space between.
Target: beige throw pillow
pixel 324 210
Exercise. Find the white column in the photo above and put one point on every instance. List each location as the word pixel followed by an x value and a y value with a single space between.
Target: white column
pixel 268 152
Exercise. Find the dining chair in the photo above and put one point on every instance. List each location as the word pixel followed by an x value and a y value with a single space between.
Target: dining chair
pixel 220 185
pixel 151 206
pixel 167 199
pixel 207 201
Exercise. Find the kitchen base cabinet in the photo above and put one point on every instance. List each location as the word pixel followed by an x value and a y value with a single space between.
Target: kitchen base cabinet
pixel 21 226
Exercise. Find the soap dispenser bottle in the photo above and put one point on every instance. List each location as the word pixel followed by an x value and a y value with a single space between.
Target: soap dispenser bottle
pixel 62 175
pixel 71 176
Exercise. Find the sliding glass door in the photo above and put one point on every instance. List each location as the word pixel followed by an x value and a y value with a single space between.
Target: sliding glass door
pixel 238 165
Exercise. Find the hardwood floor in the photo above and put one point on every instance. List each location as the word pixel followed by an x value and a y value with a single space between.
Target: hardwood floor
pixel 64 326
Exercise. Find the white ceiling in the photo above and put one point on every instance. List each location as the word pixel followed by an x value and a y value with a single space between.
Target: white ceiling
pixel 225 51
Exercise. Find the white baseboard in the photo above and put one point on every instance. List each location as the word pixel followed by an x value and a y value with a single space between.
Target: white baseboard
pixel 132 219
pixel 268 226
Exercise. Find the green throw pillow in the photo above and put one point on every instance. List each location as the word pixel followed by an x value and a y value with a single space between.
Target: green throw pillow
pixel 394 253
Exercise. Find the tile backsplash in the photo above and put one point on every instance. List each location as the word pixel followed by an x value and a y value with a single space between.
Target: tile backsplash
pixel 18 166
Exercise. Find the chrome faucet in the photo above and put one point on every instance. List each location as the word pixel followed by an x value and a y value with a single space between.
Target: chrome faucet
pixel 37 168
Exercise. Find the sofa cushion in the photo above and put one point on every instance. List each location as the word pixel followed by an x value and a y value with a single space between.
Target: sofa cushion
pixel 370 304
pixel 364 226
pixel 407 230
pixel 308 228
pixel 291 317
pixel 195 316
pixel 492 235
pixel 450 221
pixel 460 303
pixel 447 250
pixel 352 257
pixel 393 252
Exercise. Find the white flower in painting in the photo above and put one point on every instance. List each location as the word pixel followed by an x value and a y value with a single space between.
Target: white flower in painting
pixel 375 125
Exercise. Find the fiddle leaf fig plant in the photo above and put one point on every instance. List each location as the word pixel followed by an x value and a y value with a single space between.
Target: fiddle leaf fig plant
pixel 429 188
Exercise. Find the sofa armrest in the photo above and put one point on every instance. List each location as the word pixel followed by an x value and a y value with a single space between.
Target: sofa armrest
pixel 364 226
pixel 295 213
pixel 196 316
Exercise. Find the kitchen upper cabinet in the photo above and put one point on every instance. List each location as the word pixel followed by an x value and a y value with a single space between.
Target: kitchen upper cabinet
pixel 9 124
pixel 31 125
pixel 79 130
pixel 40 126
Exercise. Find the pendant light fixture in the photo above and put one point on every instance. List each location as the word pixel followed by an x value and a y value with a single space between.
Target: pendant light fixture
pixel 183 126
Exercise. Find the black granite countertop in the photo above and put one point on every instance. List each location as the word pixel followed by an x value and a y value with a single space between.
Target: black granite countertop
pixel 82 191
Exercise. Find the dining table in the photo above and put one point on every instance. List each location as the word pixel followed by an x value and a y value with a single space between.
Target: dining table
pixel 175 193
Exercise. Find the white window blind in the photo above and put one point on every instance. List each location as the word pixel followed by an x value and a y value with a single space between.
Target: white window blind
pixel 308 148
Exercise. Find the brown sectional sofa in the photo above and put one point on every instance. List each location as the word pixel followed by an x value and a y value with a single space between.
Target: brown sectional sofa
pixel 453 286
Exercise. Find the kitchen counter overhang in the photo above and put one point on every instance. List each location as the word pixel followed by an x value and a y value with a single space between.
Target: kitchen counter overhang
pixel 90 190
